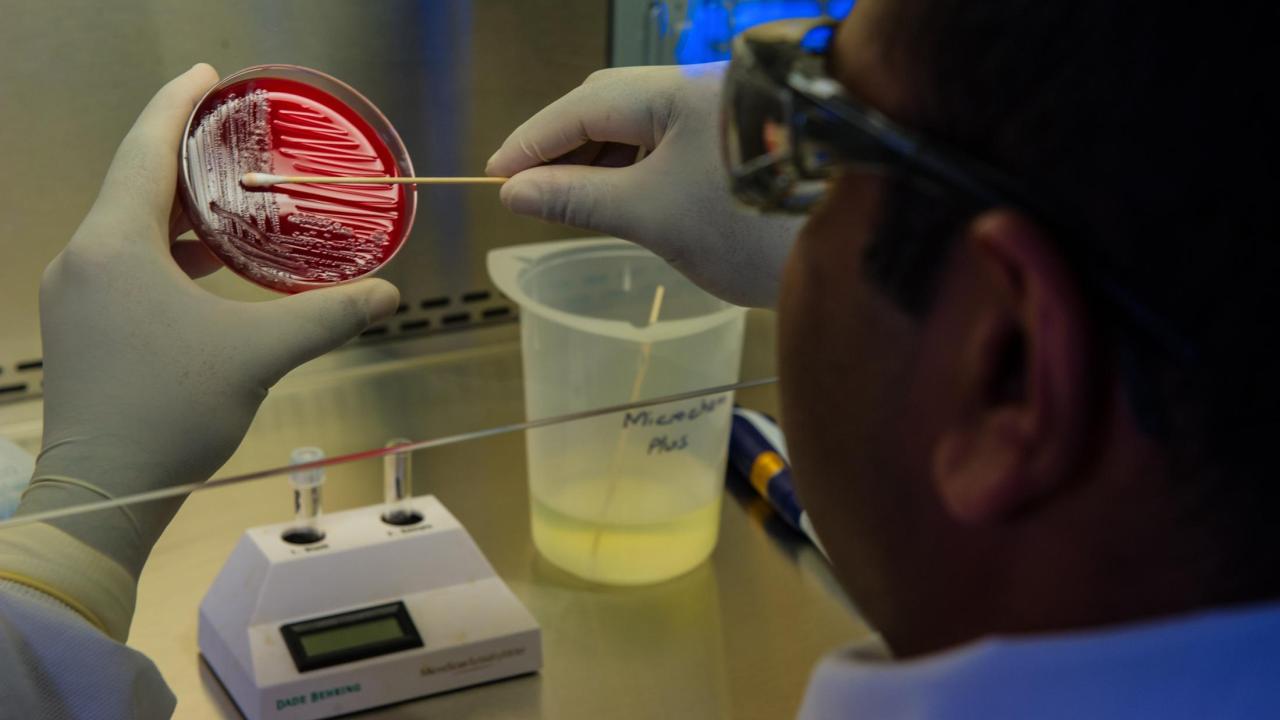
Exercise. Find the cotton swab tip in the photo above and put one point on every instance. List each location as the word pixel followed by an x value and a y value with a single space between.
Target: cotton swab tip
pixel 260 179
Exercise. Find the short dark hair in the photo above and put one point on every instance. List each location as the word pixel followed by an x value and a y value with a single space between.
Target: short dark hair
pixel 1152 127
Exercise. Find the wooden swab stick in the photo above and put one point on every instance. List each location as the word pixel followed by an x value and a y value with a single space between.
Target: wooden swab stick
pixel 659 293
pixel 260 180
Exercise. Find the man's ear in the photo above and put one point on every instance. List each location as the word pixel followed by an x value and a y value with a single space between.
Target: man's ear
pixel 1024 399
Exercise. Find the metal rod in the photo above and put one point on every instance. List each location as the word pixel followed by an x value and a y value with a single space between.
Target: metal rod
pixel 187 488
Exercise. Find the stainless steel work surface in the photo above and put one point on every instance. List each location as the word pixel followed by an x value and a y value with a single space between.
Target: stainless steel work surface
pixel 735 638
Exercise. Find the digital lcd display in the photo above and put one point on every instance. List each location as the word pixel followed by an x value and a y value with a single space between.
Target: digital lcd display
pixel 350 636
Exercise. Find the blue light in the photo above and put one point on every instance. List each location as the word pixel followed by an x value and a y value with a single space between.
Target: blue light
pixel 706 34
pixel 710 25
pixel 748 13
pixel 817 39
pixel 839 9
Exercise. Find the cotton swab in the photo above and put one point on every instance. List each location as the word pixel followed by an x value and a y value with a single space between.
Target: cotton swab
pixel 262 180
pixel 646 349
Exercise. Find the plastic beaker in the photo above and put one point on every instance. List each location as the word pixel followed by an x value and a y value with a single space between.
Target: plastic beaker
pixel 632 497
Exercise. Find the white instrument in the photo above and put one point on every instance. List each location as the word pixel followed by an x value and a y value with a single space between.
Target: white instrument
pixel 372 614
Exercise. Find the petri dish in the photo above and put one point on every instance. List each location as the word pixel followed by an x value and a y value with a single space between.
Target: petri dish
pixel 291 120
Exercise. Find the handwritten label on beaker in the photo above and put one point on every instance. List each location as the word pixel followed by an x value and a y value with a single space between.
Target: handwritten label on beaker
pixel 667 442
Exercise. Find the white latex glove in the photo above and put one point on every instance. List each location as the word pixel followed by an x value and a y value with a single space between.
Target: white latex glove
pixel 675 201
pixel 149 380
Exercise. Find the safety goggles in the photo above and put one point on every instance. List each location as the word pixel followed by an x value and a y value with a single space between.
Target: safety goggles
pixel 788 126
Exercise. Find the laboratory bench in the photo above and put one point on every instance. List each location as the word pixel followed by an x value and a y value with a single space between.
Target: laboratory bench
pixel 735 638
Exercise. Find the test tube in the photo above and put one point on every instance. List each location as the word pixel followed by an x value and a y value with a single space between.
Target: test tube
pixel 306 497
pixel 397 486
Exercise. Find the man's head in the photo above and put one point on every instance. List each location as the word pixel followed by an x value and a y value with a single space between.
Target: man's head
pixel 1006 424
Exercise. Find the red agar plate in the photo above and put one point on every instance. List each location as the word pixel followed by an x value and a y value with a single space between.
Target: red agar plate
pixel 290 120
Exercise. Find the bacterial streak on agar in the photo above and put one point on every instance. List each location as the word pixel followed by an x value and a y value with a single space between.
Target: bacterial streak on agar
pixel 290 237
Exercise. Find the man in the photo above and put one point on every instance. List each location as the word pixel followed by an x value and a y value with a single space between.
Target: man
pixel 1019 336
pixel 1022 370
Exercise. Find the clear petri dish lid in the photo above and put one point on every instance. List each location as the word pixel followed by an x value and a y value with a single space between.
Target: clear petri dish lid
pixel 291 120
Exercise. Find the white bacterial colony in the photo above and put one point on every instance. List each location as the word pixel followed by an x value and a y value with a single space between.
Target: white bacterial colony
pixel 334 235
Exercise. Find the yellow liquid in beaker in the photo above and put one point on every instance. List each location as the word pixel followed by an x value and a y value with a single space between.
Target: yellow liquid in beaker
pixel 611 550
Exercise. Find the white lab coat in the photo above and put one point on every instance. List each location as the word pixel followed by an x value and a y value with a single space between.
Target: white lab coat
pixel 1224 664
pixel 54 665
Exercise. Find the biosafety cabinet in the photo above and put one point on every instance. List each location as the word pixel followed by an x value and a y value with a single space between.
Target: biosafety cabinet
pixel 734 637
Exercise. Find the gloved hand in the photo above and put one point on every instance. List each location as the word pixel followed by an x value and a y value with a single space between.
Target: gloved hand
pixel 149 380
pixel 575 163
